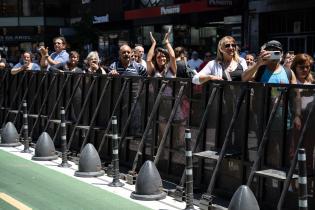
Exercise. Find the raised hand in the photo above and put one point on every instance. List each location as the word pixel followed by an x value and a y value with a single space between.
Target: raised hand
pixel 166 37
pixel 152 38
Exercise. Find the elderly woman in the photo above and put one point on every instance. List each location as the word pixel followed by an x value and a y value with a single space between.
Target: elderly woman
pixel 161 62
pixel 92 62
pixel 227 66
pixel 301 66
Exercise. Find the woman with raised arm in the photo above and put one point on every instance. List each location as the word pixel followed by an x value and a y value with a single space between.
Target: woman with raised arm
pixel 161 62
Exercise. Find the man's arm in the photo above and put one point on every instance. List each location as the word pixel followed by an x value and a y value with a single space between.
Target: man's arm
pixel 250 73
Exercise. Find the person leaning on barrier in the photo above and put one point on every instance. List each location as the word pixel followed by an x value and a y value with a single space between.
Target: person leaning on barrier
pixel 25 64
pixel 125 66
pixel 92 62
pixel 301 65
pixel 70 66
pixel 59 56
pixel 161 62
pixel 228 65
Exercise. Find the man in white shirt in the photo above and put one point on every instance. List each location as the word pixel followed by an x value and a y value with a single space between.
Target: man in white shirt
pixel 139 51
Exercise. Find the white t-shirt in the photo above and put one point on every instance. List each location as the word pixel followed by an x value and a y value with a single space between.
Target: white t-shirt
pixel 214 68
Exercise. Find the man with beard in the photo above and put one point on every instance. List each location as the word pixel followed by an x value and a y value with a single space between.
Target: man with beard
pixel 125 66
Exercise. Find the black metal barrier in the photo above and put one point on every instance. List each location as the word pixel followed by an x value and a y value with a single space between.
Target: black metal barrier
pixel 206 110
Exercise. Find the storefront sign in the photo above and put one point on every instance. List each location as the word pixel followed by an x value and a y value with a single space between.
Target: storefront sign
pixel 170 10
pixel 220 2
pixel 15 38
pixel 101 19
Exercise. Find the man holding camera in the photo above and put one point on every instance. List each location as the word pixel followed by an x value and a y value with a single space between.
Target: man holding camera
pixel 268 68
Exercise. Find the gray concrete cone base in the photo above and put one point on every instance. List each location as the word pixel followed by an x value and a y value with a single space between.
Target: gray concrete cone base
pixel 45 148
pixel 9 136
pixel 47 158
pixel 11 144
pixel 160 196
pixel 89 163
pixel 89 174
pixel 116 184
pixel 148 184
pixel 243 199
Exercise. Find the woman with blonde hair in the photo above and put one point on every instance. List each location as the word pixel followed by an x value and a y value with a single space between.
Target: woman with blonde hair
pixel 228 65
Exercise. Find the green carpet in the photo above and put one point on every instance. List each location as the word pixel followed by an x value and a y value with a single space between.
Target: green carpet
pixel 42 188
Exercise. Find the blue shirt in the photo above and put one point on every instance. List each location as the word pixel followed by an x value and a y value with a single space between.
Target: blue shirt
pixel 61 57
pixel 35 66
pixel 278 77
pixel 133 68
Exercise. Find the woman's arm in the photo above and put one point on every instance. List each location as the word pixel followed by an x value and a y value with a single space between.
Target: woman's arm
pixel 171 52
pixel 150 65
pixel 18 68
pixel 205 74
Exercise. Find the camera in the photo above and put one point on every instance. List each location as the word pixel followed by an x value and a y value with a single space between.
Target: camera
pixel 275 55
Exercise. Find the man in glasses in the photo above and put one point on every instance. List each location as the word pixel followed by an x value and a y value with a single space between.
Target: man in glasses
pixel 59 56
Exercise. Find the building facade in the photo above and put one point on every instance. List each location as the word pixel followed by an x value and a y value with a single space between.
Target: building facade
pixel 25 23
pixel 290 22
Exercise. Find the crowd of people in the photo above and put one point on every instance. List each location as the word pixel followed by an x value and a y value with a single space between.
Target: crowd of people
pixel 271 65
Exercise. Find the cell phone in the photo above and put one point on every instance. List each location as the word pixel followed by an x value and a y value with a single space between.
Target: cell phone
pixel 275 55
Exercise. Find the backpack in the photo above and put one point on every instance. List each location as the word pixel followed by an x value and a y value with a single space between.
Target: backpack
pixel 261 70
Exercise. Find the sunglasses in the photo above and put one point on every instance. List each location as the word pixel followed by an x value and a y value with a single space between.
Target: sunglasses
pixel 304 66
pixel 229 45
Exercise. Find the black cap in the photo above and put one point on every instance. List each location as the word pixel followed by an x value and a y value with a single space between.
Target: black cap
pixel 273 44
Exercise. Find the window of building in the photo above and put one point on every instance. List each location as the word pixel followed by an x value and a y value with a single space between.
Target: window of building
pixel 8 8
